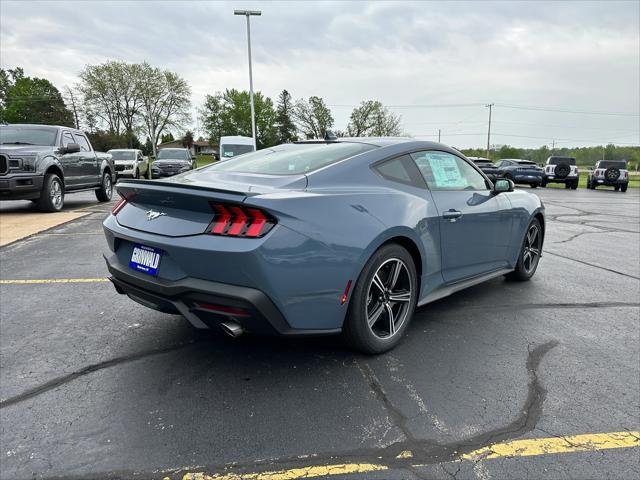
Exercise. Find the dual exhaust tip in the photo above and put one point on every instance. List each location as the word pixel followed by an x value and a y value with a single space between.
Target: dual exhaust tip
pixel 232 329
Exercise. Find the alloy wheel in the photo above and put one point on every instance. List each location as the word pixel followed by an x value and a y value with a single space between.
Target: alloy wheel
pixel 56 194
pixel 531 253
pixel 107 186
pixel 389 298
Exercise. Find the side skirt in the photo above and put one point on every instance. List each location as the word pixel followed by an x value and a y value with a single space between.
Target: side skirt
pixel 450 288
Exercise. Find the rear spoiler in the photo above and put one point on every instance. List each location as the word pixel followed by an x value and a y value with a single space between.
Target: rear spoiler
pixel 127 186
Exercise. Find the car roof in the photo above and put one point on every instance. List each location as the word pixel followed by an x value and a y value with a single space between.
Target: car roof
pixel 124 150
pixel 376 141
pixel 519 160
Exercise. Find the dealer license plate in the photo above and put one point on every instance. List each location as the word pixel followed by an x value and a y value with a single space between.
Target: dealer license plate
pixel 145 259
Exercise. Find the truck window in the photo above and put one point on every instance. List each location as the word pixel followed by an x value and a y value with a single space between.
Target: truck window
pixel 67 139
pixel 82 141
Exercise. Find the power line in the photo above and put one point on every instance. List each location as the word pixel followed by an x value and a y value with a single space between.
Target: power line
pixel 564 110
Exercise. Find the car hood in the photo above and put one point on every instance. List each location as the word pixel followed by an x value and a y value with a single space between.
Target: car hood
pixel 26 150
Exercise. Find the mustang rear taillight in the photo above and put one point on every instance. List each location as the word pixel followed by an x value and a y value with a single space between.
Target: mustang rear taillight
pixel 121 203
pixel 239 221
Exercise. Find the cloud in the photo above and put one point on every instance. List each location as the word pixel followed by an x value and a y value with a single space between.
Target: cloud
pixel 581 56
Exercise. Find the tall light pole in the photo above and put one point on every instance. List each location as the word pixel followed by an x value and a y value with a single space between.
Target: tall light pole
pixel 490 105
pixel 248 14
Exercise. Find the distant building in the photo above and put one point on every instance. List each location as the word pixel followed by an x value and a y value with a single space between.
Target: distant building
pixel 199 147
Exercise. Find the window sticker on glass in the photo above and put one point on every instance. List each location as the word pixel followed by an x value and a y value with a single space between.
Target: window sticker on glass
pixel 446 173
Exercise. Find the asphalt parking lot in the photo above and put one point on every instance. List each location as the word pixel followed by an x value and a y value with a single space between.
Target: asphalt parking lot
pixel 546 374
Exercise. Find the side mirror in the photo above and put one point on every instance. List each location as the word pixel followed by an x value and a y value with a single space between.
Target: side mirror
pixel 71 148
pixel 503 185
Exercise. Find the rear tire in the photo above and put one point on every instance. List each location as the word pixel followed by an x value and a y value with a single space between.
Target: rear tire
pixel 616 187
pixel 104 193
pixel 52 195
pixel 567 186
pixel 533 185
pixel 574 185
pixel 543 184
pixel 530 251
pixel 375 322
pixel 623 188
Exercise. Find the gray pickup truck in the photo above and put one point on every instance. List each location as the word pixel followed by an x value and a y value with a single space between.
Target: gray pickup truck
pixel 42 163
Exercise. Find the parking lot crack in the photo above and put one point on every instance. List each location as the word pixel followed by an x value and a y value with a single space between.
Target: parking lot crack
pixel 57 382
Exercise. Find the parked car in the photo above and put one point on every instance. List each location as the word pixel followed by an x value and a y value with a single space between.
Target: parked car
pixel 612 173
pixel 130 163
pixel 487 167
pixel 520 171
pixel 320 237
pixel 43 163
pixel 171 161
pixel 561 170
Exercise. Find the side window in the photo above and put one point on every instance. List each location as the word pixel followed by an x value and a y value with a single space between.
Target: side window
pixel 444 171
pixel 400 169
pixel 67 139
pixel 82 141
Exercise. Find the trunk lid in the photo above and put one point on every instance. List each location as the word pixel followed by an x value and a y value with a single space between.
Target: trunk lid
pixel 181 206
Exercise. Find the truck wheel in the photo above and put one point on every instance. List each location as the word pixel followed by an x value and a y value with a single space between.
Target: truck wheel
pixel 574 185
pixel 382 302
pixel 567 185
pixel 533 185
pixel 623 187
pixel 103 194
pixel 616 187
pixel 52 195
pixel 543 184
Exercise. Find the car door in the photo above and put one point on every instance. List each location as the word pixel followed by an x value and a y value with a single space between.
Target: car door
pixel 474 222
pixel 71 162
pixel 89 168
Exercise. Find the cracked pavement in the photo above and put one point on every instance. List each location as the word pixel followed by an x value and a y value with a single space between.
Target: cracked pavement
pixel 93 385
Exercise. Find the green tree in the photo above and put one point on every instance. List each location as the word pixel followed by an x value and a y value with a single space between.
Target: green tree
pixel 229 113
pixel 187 139
pixel 166 137
pixel 286 130
pixel 312 117
pixel 165 101
pixel 507 151
pixel 147 148
pixel 31 100
pixel 372 119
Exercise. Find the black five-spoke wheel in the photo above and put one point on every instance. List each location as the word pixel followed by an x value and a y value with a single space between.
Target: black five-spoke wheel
pixel 530 253
pixel 388 298
pixel 383 300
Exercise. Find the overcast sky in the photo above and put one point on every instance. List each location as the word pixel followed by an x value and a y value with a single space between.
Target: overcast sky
pixel 412 56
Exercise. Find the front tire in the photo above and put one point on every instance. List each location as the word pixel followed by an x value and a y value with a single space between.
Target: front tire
pixel 529 253
pixel 104 193
pixel 382 302
pixel 52 195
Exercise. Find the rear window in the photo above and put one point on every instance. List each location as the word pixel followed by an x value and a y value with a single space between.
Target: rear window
pixel 561 160
pixel 233 150
pixel 612 164
pixel 291 159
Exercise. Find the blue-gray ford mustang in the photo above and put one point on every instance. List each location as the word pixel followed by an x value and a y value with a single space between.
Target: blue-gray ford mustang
pixel 320 237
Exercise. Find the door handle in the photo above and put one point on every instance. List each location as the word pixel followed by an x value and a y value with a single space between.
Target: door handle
pixel 452 215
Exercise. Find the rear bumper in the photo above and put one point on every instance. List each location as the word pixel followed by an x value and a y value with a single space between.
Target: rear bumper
pixel 604 181
pixel 20 186
pixel 527 179
pixel 553 179
pixel 197 299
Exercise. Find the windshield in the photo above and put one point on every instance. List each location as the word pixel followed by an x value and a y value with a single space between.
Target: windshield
pixel 231 150
pixel 292 159
pixel 122 154
pixel 612 164
pixel 173 155
pixel 28 135
pixel 561 160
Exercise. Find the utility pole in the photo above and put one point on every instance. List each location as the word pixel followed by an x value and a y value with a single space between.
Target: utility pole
pixel 490 105
pixel 248 14
pixel 438 135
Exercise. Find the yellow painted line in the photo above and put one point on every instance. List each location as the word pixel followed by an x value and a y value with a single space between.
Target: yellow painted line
pixel 53 280
pixel 294 473
pixel 553 445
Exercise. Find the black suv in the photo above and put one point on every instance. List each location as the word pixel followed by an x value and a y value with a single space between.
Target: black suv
pixel 42 163
pixel 612 173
